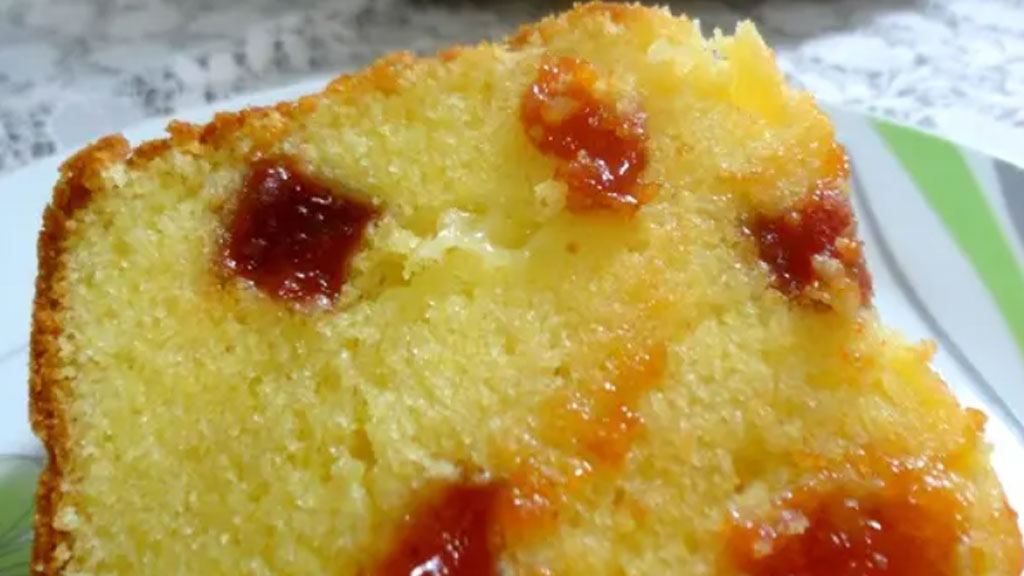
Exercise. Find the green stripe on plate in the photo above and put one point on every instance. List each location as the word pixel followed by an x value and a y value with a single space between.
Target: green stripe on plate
pixel 941 173
pixel 17 487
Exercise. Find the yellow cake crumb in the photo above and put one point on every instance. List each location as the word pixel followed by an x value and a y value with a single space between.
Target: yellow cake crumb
pixel 634 380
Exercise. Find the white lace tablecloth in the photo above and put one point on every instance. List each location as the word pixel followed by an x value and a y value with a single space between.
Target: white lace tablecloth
pixel 73 70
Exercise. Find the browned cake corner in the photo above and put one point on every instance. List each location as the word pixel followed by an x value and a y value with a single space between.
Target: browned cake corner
pixel 600 287
pixel 47 388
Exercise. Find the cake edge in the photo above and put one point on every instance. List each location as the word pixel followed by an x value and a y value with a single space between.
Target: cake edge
pixel 47 388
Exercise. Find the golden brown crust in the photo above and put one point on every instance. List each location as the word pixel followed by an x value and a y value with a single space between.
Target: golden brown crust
pixel 79 180
pixel 383 76
pixel 540 33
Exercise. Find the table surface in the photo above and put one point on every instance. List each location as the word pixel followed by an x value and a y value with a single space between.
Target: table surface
pixel 73 70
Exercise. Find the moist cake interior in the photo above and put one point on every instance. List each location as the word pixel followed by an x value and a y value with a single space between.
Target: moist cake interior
pixel 589 301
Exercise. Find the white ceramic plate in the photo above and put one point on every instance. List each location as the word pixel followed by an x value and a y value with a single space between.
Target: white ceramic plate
pixel 944 228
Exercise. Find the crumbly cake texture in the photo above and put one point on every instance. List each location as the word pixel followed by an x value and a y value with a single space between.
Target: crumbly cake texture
pixel 642 344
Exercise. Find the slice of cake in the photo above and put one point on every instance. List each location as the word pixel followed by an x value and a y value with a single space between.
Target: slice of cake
pixel 588 301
